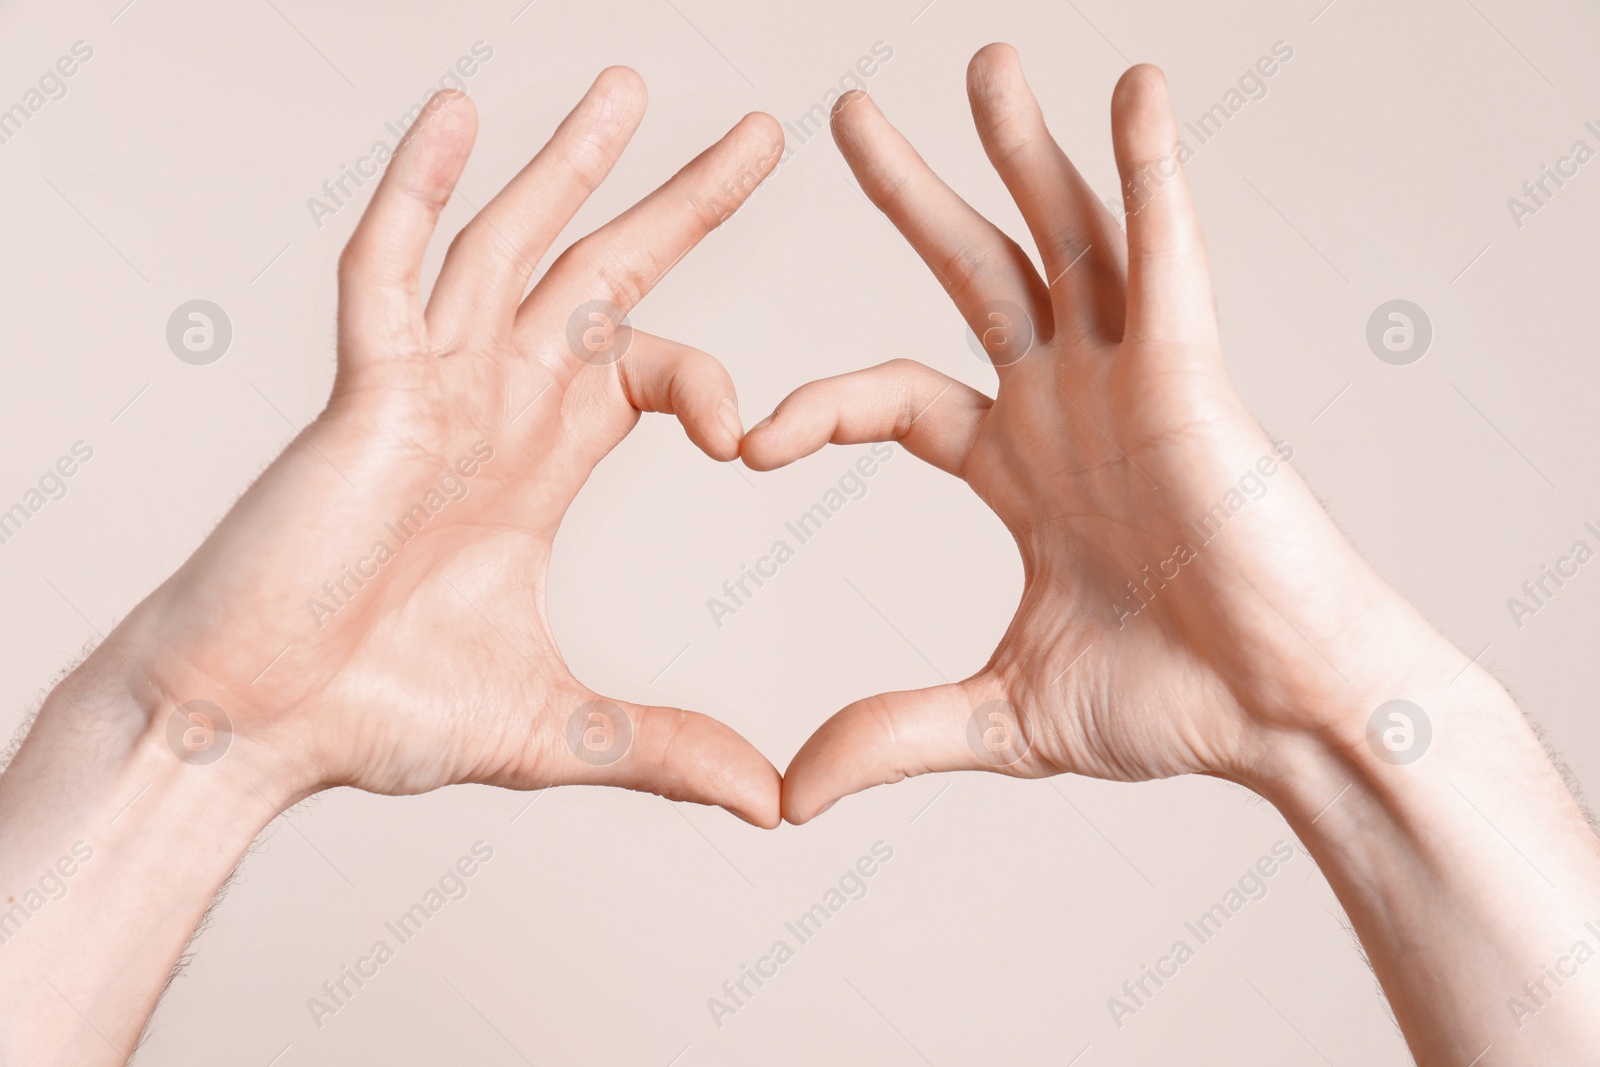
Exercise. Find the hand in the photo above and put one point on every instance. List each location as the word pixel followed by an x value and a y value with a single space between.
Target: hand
pixel 1187 603
pixel 372 612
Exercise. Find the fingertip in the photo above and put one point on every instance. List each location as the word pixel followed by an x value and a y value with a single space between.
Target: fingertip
pixel 623 84
pixel 848 110
pixel 714 440
pixel 849 99
pixel 617 98
pixel 754 794
pixel 793 814
pixel 1154 76
pixel 767 811
pixel 797 813
pixel 438 143
pixel 764 448
pixel 829 765
pixel 762 823
pixel 1136 85
pixel 798 809
pixel 999 95
pixel 447 112
pixel 992 59
pixel 766 127
pixel 686 756
pixel 760 136
pixel 445 97
pixel 732 435
pixel 723 451
pixel 1143 129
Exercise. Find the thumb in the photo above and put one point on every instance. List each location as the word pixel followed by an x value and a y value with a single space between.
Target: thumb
pixel 677 754
pixel 962 726
pixel 664 376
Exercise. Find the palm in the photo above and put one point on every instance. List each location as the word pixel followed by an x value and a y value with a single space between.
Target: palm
pixel 1135 687
pixel 1156 635
pixel 472 585
pixel 382 587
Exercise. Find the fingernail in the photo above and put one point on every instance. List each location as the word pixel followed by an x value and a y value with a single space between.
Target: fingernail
pixel 730 417
pixel 764 422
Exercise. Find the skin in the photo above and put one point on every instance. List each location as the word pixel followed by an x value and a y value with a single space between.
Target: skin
pixel 1466 872
pixel 1254 649
pixel 441 667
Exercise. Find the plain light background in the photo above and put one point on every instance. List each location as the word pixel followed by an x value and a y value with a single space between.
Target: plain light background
pixel 1378 166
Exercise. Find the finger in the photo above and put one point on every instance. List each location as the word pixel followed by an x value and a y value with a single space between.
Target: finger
pixel 491 261
pixel 935 417
pixel 380 312
pixel 610 270
pixel 977 264
pixel 1169 283
pixel 664 376
pixel 893 736
pixel 680 755
pixel 1079 242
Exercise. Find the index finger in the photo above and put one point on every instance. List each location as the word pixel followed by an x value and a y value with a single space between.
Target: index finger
pixel 987 274
pixel 608 272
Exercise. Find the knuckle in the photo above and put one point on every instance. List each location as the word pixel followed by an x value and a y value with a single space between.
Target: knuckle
pixel 363 263
pixel 964 264
pixel 1014 138
pixel 1067 238
pixel 621 275
pixel 587 164
pixel 588 160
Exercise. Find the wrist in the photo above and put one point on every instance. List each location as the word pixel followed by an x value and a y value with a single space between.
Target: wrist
pixel 1385 700
pixel 109 715
pixel 107 836
pixel 1463 826
pixel 1396 741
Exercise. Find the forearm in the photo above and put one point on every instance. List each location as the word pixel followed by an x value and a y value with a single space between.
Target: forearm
pixel 1469 874
pixel 111 850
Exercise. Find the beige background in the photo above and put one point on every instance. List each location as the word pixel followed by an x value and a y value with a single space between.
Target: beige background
pixel 1378 166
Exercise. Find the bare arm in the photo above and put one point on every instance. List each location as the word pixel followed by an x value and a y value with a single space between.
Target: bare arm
pixel 371 613
pixel 1188 607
